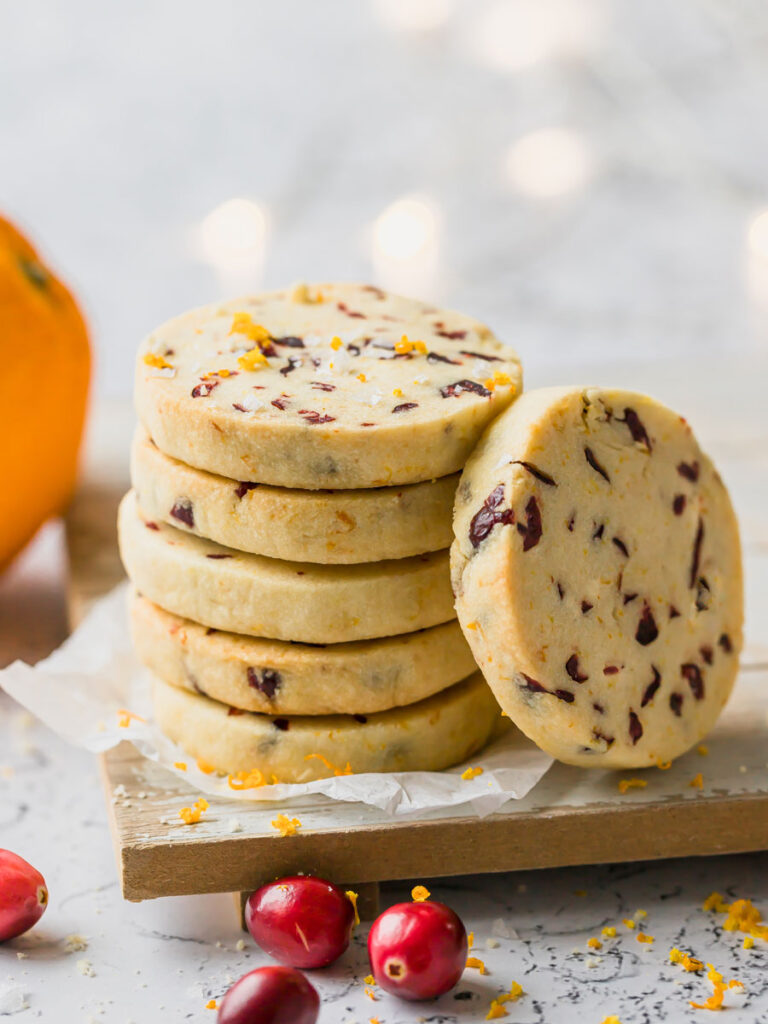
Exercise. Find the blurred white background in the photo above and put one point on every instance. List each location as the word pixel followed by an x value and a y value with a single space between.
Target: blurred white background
pixel 586 175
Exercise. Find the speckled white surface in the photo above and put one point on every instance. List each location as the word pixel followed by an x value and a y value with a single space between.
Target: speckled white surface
pixel 163 960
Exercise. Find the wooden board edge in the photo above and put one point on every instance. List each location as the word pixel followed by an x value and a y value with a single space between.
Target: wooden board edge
pixel 114 828
pixel 443 849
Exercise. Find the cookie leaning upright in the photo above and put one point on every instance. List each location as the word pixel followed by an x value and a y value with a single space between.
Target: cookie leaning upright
pixel 340 386
pixel 598 579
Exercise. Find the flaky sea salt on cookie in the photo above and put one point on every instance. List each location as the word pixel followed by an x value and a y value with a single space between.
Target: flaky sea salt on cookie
pixel 598 576
pixel 340 386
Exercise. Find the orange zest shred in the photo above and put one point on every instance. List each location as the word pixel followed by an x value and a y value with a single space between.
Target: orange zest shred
pixel 663 766
pixel 397 392
pixel 742 916
pixel 362 378
pixel 628 922
pixel 748 942
pixel 471 773
pixel 697 782
pixel 346 770
pixel 610 931
pixel 353 898
pixel 720 987
pixel 286 826
pixel 204 767
pixel 477 963
pixel 243 323
pixel 246 780
pixel 252 360
pixel 371 994
pixel 153 359
pixel 594 943
pixel 613 1019
pixel 191 815
pixel 644 937
pixel 497 380
pixel 336 343
pixel 496 1009
pixel 124 718
pixel 405 346
pixel 419 893
pixel 180 765
pixel 686 961
pixel 625 784
pixel 211 1004
pixel 369 979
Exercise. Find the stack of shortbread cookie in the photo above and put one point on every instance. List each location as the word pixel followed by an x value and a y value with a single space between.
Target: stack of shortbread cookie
pixel 294 477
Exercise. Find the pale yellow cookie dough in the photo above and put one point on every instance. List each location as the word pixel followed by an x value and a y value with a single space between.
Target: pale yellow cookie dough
pixel 266 597
pixel 435 733
pixel 337 385
pixel 334 527
pixel 275 677
pixel 598 576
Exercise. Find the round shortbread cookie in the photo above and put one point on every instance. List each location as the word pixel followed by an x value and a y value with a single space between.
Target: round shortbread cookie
pixel 338 527
pixel 275 677
pixel 435 733
pixel 598 576
pixel 339 385
pixel 266 597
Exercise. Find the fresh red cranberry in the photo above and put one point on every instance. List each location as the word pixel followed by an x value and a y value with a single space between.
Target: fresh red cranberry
pixel 301 921
pixel 23 895
pixel 417 950
pixel 270 995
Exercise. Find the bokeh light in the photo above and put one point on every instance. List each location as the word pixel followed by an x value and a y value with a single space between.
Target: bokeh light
pixel 548 163
pixel 757 236
pixel 405 244
pixel 232 240
pixel 511 35
pixel 756 264
pixel 413 15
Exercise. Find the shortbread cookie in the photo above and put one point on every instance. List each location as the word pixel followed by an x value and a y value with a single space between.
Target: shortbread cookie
pixel 266 597
pixel 340 386
pixel 437 732
pixel 281 678
pixel 598 576
pixel 305 526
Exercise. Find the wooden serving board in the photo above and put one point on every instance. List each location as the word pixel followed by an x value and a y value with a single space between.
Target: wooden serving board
pixel 571 817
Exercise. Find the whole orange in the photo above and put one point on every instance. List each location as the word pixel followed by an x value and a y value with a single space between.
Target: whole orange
pixel 45 369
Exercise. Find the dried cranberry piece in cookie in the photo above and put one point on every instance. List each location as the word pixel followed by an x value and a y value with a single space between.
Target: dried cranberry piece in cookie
pixel 265 680
pixel 471 386
pixel 489 515
pixel 184 512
